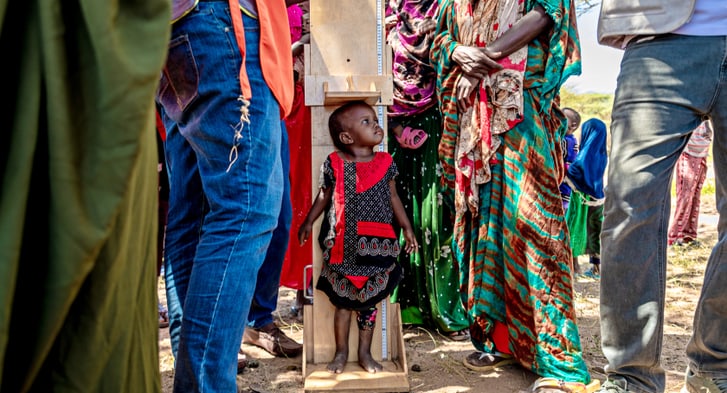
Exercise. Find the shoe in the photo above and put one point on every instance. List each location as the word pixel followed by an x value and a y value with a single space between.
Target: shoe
pixel 163 316
pixel 483 361
pixel 694 383
pixel 592 275
pixel 614 386
pixel 546 384
pixel 241 361
pixel 411 138
pixel 273 340
pixel 460 335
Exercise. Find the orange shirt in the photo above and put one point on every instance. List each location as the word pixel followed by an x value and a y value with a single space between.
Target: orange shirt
pixel 275 55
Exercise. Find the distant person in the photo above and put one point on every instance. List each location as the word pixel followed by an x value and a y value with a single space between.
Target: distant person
pixel 359 243
pixel 78 211
pixel 429 291
pixel 672 78
pixel 226 86
pixel 500 67
pixel 691 171
pixel 570 150
pixel 585 213
pixel 298 124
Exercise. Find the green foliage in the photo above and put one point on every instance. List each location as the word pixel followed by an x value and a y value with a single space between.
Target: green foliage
pixel 589 105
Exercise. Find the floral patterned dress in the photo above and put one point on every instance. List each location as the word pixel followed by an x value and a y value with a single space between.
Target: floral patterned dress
pixel 358 239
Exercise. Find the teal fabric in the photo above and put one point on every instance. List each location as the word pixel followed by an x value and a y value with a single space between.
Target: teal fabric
pixel 79 195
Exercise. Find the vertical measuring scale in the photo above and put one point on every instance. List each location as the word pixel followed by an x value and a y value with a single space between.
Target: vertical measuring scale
pixel 381 110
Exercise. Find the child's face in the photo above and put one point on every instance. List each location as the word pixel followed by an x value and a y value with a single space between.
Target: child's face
pixel 362 126
pixel 572 122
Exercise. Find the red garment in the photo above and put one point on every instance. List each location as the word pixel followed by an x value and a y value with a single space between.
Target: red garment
pixel 298 124
pixel 690 174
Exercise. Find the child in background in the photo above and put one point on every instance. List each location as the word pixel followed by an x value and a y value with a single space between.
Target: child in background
pixel 570 149
pixel 585 213
pixel 359 243
pixel 689 175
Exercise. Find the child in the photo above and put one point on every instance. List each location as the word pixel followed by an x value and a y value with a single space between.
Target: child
pixel 359 244
pixel 585 213
pixel 570 149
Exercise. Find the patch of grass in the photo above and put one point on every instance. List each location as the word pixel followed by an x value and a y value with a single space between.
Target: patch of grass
pixel 689 254
pixel 708 188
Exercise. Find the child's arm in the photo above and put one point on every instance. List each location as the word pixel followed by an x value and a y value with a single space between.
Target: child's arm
pixel 400 214
pixel 324 196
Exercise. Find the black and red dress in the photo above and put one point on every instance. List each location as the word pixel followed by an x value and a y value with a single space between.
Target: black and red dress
pixel 360 245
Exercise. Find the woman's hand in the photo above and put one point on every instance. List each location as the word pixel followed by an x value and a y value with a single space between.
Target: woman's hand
pixel 474 61
pixel 426 26
pixel 466 87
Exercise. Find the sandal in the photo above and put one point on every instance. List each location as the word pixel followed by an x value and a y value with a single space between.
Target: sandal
pixel 460 335
pixel 483 361
pixel 543 385
pixel 241 361
pixel 412 138
pixel 163 316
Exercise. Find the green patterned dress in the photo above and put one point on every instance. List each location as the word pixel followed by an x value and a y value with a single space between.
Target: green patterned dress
pixel 513 252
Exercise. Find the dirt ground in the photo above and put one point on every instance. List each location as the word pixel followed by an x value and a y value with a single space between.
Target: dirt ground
pixel 435 362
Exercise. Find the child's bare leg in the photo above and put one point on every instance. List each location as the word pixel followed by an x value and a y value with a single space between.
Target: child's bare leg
pixel 341 326
pixel 366 321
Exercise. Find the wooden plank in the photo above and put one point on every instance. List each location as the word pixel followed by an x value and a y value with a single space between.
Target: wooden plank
pixel 355 379
pixel 334 90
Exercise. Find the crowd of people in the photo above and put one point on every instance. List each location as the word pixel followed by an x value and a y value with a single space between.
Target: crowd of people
pixel 473 221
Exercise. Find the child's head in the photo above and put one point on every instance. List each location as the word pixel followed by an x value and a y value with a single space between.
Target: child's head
pixel 355 124
pixel 574 119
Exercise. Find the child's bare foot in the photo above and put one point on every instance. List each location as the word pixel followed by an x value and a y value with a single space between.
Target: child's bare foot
pixel 367 362
pixel 338 363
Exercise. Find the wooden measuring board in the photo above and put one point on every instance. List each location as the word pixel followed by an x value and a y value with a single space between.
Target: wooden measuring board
pixel 347 59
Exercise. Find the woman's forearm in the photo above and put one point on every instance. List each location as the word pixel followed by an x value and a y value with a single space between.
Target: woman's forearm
pixel 520 34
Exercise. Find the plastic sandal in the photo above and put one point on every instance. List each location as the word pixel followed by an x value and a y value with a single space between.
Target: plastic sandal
pixel 412 138
pixel 163 316
pixel 460 335
pixel 483 362
pixel 544 384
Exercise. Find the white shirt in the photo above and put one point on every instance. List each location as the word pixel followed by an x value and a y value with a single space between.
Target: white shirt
pixel 709 18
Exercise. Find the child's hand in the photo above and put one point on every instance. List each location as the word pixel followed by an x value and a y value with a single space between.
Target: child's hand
pixel 304 232
pixel 410 244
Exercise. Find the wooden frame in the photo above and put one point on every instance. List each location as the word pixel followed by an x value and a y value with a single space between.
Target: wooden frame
pixel 347 60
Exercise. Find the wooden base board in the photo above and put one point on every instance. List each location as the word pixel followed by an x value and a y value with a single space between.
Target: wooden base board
pixel 355 379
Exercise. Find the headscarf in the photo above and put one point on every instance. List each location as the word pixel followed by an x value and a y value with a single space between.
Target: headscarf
pixel 586 173
pixel 414 76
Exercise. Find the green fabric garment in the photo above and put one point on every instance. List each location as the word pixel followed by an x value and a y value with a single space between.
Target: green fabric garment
pixel 584 220
pixel 429 292
pixel 79 195
pixel 576 217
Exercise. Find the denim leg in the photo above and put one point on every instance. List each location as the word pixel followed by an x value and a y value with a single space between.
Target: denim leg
pixel 223 207
pixel 665 88
pixel 265 299
pixel 187 206
pixel 707 350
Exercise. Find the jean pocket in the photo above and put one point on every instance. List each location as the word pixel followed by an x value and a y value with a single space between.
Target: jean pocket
pixel 179 82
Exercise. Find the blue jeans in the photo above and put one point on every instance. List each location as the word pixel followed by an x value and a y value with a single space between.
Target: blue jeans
pixel 226 191
pixel 666 87
pixel 265 299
